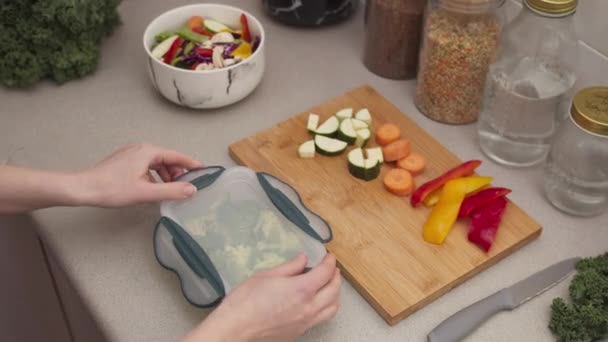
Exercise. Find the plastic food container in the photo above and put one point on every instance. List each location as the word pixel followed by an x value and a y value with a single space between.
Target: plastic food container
pixel 238 222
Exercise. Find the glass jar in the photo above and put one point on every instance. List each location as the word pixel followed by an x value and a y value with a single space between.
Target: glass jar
pixel 530 84
pixel 459 43
pixel 392 37
pixel 576 172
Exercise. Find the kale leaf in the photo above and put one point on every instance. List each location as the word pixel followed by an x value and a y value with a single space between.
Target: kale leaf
pixel 586 318
pixel 57 39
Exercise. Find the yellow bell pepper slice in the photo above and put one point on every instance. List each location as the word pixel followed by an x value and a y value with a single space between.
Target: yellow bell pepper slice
pixel 443 216
pixel 243 51
pixel 433 197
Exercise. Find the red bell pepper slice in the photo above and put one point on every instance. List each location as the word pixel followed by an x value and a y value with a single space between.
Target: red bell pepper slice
pixel 204 52
pixel 193 67
pixel 245 27
pixel 462 170
pixel 173 50
pixel 484 223
pixel 480 199
pixel 203 31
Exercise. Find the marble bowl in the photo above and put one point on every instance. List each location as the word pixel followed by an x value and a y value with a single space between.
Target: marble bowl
pixel 205 88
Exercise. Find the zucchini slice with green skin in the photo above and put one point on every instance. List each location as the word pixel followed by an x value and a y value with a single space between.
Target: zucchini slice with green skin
pixel 307 150
pixel 359 167
pixel 375 153
pixel 363 136
pixel 329 146
pixel 163 47
pixel 215 26
pixel 329 127
pixel 345 113
pixel 365 116
pixel 358 124
pixel 313 122
pixel 347 132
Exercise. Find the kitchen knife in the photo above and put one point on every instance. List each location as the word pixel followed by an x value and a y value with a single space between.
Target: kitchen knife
pixel 460 324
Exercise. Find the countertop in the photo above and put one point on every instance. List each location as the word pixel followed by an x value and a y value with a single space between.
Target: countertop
pixel 108 253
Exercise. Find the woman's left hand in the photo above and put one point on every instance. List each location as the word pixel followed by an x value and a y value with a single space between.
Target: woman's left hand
pixel 125 178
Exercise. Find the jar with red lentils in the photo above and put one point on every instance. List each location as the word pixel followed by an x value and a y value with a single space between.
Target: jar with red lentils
pixel 460 38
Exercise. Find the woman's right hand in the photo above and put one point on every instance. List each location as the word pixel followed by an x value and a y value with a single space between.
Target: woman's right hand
pixel 279 304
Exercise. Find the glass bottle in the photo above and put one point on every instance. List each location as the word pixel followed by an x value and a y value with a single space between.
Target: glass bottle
pixel 392 37
pixel 530 84
pixel 576 172
pixel 460 38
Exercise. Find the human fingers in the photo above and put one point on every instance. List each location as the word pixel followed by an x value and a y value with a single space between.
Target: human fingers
pixel 320 275
pixel 175 172
pixel 326 315
pixel 172 158
pixel 329 294
pixel 154 192
pixel 293 267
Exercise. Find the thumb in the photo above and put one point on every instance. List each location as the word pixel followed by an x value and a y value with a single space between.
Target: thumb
pixel 153 192
pixel 291 268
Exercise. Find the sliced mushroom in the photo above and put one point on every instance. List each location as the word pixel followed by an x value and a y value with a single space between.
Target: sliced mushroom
pixel 229 62
pixel 222 37
pixel 218 59
pixel 207 44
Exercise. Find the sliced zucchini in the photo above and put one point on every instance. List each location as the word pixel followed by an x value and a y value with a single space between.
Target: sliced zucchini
pixel 329 146
pixel 363 136
pixel 347 132
pixel 365 116
pixel 362 168
pixel 358 124
pixel 329 127
pixel 345 113
pixel 307 149
pixel 215 27
pixel 313 122
pixel 375 153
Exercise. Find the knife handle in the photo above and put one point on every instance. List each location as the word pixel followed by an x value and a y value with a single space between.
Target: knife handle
pixel 463 322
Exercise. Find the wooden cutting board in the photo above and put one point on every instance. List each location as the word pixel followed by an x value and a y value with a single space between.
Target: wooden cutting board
pixel 378 236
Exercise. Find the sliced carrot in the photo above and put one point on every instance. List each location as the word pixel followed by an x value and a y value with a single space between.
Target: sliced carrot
pixel 396 150
pixel 399 182
pixel 387 133
pixel 414 163
pixel 195 22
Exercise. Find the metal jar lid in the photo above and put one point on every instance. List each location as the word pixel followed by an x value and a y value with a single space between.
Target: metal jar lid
pixel 557 8
pixel 590 110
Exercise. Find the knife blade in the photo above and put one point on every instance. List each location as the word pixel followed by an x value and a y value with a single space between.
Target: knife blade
pixel 463 322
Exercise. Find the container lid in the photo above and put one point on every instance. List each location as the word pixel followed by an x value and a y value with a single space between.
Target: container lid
pixel 238 222
pixel 590 110
pixel 558 8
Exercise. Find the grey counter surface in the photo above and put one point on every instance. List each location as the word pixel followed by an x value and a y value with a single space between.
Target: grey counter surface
pixel 108 253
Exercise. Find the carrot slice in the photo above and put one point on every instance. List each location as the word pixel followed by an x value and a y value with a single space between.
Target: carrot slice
pixel 387 133
pixel 414 163
pixel 399 182
pixel 396 150
pixel 195 22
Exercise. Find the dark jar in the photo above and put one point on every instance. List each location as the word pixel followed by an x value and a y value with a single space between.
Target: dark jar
pixel 392 37
pixel 310 12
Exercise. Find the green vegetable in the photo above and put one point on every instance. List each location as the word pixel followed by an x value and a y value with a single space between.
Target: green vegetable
pixel 163 35
pixel 57 39
pixel 187 34
pixel 586 318
pixel 188 48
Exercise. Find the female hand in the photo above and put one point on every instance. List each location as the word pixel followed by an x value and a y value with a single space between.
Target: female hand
pixel 124 178
pixel 275 305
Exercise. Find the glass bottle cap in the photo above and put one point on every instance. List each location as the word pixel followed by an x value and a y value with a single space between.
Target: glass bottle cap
pixel 556 8
pixel 590 110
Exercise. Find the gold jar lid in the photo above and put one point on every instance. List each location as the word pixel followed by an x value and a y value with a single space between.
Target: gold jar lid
pixel 590 110
pixel 553 7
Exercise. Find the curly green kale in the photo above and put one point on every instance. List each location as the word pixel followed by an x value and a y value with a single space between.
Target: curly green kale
pixel 57 39
pixel 586 318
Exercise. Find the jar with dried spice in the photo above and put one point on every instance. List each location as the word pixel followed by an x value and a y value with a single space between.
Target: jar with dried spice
pixel 460 38
pixel 392 37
